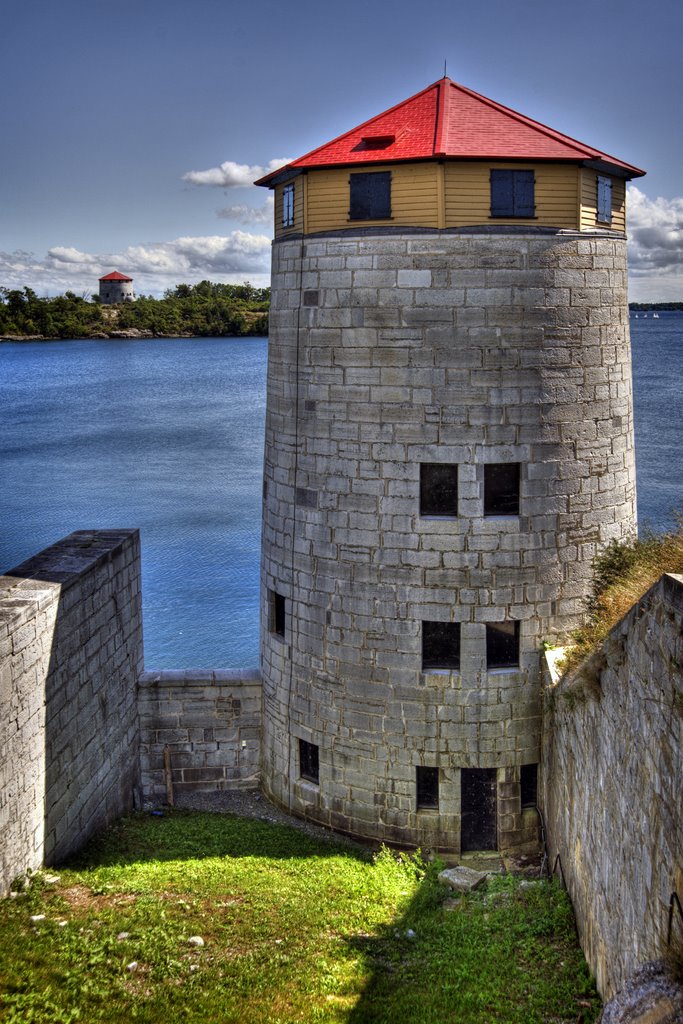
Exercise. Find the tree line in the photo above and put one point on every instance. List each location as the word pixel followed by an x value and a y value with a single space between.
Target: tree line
pixel 669 306
pixel 204 310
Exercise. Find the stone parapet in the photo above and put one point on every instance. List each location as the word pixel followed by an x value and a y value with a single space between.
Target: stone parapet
pixel 210 723
pixel 71 651
pixel 612 774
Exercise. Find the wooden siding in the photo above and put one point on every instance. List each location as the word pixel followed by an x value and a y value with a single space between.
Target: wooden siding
pixel 450 194
pixel 413 197
pixel 298 225
pixel 468 194
pixel 589 200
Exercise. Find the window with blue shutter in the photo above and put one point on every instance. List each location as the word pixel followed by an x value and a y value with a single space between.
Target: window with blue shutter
pixel 370 196
pixel 512 194
pixel 604 200
pixel 288 206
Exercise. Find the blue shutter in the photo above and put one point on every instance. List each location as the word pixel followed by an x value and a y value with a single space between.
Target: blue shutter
pixel 501 194
pixel 604 200
pixel 370 196
pixel 523 195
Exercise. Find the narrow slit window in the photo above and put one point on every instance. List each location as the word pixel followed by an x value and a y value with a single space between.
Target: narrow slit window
pixel 309 763
pixel 288 206
pixel 502 645
pixel 501 489
pixel 440 646
pixel 370 196
pixel 427 785
pixel 528 781
pixel 438 489
pixel 604 200
pixel 278 614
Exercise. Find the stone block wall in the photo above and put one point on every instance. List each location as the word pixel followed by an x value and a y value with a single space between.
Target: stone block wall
pixel 393 349
pixel 211 723
pixel 613 785
pixel 70 655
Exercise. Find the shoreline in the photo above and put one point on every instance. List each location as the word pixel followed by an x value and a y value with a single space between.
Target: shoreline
pixel 128 335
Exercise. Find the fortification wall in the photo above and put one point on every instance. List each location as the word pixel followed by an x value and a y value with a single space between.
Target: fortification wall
pixel 392 349
pixel 613 765
pixel 211 724
pixel 71 651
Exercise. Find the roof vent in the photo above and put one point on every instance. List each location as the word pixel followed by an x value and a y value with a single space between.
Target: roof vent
pixel 376 141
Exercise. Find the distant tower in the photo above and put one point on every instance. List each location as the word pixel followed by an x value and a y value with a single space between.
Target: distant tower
pixel 116 287
pixel 449 441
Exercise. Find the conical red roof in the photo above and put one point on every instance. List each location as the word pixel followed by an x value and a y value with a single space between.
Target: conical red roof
pixel 115 276
pixel 446 120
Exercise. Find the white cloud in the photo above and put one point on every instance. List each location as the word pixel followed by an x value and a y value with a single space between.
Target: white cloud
pixel 244 214
pixel 155 266
pixel 655 229
pixel 232 175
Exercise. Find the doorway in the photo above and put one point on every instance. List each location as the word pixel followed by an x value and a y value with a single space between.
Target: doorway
pixel 478 809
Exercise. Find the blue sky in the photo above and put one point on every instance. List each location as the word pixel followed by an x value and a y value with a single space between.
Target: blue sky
pixel 129 129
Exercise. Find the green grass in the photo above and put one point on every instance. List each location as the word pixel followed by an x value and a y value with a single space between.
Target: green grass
pixel 295 929
pixel 622 574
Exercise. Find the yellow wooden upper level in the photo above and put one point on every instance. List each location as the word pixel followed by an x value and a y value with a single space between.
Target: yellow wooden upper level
pixel 451 194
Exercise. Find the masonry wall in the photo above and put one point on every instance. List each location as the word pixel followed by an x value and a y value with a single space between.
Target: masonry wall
pixel 71 651
pixel 390 349
pixel 211 724
pixel 613 776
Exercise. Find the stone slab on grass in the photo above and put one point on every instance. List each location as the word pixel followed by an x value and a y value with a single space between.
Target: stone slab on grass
pixel 462 879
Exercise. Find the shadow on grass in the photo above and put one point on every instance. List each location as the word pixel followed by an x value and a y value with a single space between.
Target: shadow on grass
pixel 193 835
pixel 502 955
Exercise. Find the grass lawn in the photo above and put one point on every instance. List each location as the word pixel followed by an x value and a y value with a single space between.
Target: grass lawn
pixel 294 929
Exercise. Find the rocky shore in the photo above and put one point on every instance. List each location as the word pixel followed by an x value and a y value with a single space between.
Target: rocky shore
pixel 131 333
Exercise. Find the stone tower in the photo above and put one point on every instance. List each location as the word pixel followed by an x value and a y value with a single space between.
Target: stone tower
pixel 449 441
pixel 116 287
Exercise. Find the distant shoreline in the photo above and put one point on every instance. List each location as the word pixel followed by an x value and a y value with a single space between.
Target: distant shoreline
pixel 129 335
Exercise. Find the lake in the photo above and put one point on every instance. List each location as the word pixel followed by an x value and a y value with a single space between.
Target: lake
pixel 167 435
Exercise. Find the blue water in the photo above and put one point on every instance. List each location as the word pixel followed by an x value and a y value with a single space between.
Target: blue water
pixel 657 352
pixel 163 435
pixel 168 436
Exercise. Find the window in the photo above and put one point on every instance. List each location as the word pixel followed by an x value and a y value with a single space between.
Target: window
pixel 502 645
pixel 512 194
pixel 438 489
pixel 427 784
pixel 370 196
pixel 308 761
pixel 528 781
pixel 501 489
pixel 440 645
pixel 277 614
pixel 604 200
pixel 288 206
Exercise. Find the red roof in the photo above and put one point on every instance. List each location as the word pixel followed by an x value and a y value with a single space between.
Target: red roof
pixel 446 120
pixel 115 276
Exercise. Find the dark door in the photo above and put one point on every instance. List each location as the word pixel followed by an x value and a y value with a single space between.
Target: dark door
pixel 478 809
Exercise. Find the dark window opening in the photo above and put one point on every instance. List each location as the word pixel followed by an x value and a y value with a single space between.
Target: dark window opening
pixel 604 200
pixel 427 782
pixel 440 645
pixel 278 614
pixel 502 645
pixel 288 206
pixel 478 809
pixel 528 783
pixel 308 761
pixel 512 194
pixel 370 196
pixel 438 489
pixel 501 489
